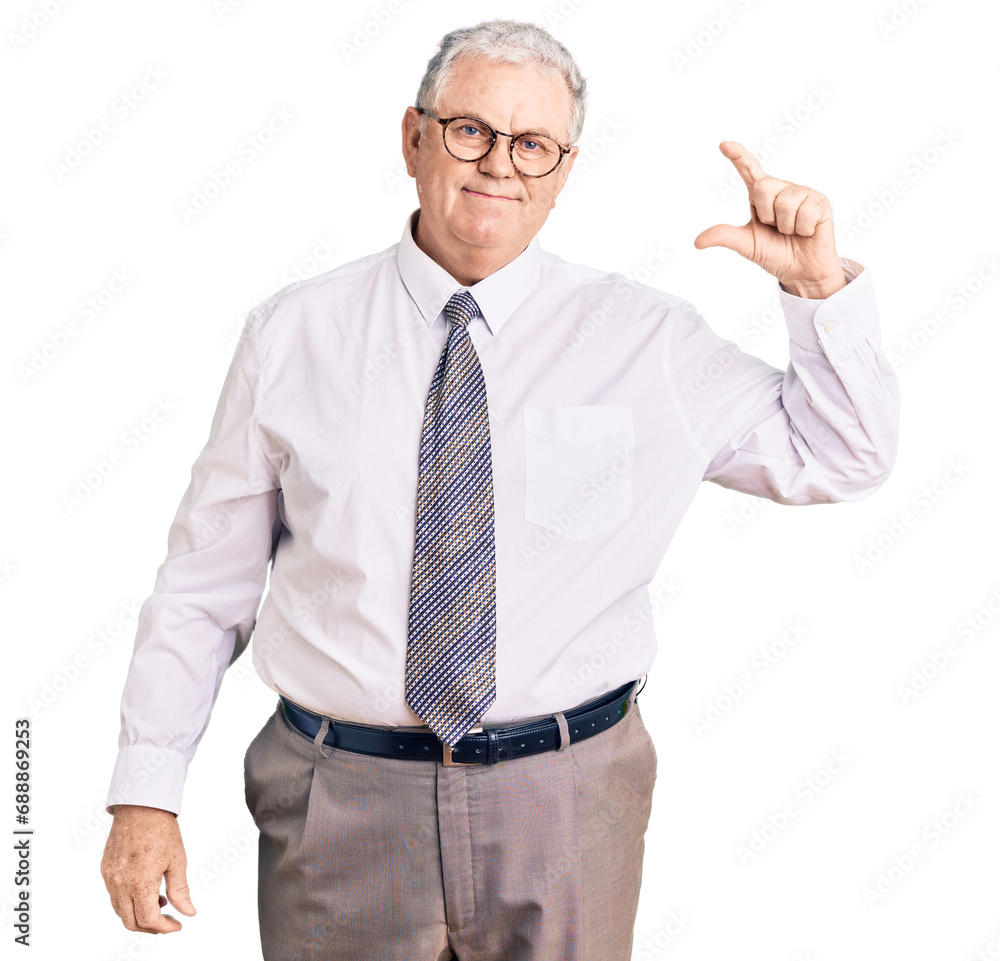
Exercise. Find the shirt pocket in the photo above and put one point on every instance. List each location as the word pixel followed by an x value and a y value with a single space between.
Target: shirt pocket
pixel 578 468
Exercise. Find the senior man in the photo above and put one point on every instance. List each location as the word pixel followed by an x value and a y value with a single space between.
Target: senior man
pixel 444 775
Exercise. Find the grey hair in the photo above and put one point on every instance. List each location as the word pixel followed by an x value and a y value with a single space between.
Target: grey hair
pixel 505 41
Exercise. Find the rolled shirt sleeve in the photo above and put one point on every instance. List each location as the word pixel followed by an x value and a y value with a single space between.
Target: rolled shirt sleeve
pixel 822 431
pixel 200 615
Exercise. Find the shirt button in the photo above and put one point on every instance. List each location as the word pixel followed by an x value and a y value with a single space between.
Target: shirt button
pixel 829 327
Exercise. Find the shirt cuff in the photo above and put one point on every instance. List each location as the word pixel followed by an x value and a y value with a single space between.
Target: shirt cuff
pixel 148 776
pixel 835 324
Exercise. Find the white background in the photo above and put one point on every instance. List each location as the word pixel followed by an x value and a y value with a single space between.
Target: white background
pixel 850 104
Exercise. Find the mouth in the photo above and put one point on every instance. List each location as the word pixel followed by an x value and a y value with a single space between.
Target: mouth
pixel 479 193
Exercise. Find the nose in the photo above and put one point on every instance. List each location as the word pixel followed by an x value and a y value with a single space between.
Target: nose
pixel 497 162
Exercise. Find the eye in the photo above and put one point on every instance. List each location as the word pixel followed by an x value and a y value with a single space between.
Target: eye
pixel 532 146
pixel 471 130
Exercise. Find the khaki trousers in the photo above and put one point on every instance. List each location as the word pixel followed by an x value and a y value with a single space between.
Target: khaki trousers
pixel 369 859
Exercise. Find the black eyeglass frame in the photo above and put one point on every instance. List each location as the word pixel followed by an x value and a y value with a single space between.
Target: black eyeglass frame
pixel 444 121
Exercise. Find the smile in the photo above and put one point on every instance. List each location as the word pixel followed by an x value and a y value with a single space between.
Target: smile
pixel 476 193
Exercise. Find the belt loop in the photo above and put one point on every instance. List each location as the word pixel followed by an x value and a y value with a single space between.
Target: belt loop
pixel 636 688
pixel 320 737
pixel 563 730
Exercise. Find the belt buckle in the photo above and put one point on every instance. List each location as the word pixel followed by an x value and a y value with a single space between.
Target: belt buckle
pixel 446 750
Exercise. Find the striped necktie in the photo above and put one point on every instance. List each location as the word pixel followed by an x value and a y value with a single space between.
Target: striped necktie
pixel 451 647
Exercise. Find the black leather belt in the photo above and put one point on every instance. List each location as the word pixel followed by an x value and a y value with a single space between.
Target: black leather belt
pixel 488 746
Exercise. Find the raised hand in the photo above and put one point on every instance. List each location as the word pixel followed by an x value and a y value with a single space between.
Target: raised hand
pixel 789 233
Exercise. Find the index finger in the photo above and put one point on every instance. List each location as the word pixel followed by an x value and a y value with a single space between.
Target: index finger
pixel 746 164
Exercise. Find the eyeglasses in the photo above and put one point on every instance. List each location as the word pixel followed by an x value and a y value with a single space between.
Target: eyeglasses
pixel 469 139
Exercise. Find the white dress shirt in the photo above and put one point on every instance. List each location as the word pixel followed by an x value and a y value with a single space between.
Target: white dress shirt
pixel 609 403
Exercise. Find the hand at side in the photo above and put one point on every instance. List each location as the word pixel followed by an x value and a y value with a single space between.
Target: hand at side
pixel 144 846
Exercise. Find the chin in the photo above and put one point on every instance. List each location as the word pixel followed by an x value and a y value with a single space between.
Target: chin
pixel 485 232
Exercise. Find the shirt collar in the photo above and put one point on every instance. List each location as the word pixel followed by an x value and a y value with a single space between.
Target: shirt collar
pixel 498 295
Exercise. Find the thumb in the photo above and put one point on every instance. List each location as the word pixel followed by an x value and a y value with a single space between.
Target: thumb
pixel 178 893
pixel 726 235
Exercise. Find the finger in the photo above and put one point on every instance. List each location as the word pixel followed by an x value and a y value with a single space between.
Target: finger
pixel 762 196
pixel 786 206
pixel 746 164
pixel 124 909
pixel 811 214
pixel 148 917
pixel 726 235
pixel 120 900
pixel 177 889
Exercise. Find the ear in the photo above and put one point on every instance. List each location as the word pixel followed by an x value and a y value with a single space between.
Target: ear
pixel 411 139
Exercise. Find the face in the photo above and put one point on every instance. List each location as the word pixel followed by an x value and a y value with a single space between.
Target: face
pixel 479 216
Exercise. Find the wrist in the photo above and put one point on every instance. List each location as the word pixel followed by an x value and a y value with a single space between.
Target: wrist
pixel 128 811
pixel 815 289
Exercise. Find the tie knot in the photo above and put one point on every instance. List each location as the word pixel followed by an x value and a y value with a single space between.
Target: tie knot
pixel 462 308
